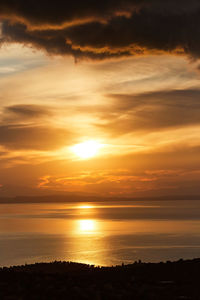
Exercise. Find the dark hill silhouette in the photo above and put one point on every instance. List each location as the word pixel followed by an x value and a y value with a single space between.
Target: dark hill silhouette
pixel 66 280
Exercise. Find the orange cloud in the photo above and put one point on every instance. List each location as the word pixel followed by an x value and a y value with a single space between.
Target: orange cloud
pixel 107 182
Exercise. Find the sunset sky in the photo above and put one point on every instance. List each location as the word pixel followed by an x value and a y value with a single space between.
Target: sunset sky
pixel 120 76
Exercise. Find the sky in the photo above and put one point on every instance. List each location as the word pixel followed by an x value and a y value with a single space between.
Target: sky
pixel 123 76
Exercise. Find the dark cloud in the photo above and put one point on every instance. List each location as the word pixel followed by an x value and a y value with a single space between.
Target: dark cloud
pixel 170 98
pixel 106 28
pixel 35 138
pixel 53 41
pixel 47 12
pixel 27 111
pixel 152 111
pixel 58 12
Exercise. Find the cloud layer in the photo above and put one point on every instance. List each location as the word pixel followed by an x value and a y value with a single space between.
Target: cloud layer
pixel 24 127
pixel 32 138
pixel 102 29
pixel 123 182
pixel 150 112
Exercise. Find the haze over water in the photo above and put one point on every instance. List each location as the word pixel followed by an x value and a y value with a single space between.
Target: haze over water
pixel 99 233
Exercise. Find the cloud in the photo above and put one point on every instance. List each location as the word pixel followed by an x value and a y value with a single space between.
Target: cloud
pixel 26 111
pixel 125 182
pixel 17 137
pixel 60 12
pixel 153 111
pixel 54 41
pixel 103 29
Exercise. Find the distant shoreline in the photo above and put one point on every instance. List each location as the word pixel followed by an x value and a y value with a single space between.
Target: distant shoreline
pixel 78 198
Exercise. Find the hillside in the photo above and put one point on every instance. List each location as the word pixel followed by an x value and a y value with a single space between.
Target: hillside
pixel 66 280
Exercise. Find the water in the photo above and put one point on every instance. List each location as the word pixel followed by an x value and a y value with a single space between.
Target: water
pixel 99 234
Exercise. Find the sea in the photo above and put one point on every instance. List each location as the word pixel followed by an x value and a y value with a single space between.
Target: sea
pixel 99 233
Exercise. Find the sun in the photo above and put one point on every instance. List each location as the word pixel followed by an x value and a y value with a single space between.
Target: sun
pixel 86 149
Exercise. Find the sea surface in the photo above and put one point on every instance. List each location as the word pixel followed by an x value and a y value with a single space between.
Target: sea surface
pixel 99 233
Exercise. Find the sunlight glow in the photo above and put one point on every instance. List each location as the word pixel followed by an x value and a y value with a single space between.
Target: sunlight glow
pixel 85 206
pixel 87 226
pixel 86 149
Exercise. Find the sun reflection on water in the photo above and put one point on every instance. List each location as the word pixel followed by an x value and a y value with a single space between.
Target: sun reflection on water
pixel 87 226
pixel 88 246
pixel 85 206
pixel 87 236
